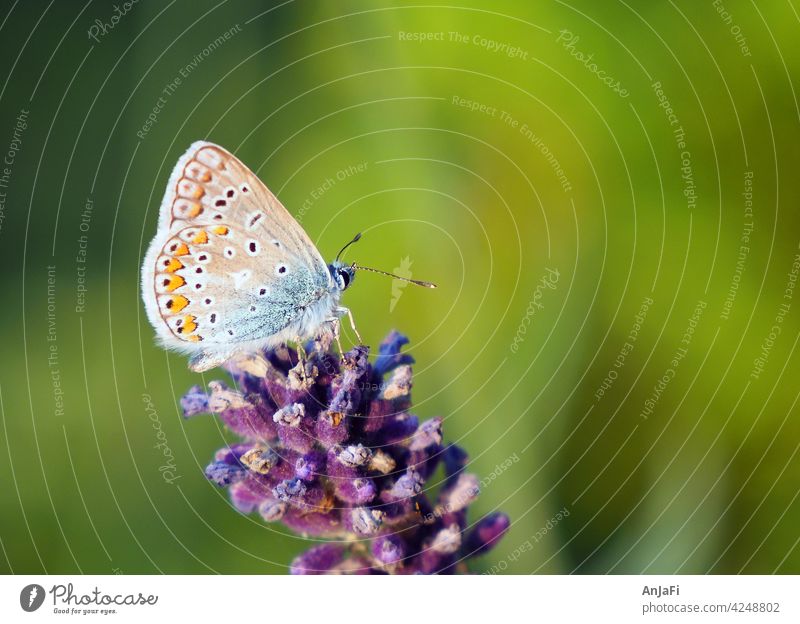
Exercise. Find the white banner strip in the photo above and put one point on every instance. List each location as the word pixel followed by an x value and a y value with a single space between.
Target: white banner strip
pixel 401 599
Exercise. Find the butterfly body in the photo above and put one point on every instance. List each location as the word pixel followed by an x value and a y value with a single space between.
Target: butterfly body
pixel 230 271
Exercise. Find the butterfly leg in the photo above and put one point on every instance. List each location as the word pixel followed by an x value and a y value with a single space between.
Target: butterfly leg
pixel 335 325
pixel 341 311
pixel 302 357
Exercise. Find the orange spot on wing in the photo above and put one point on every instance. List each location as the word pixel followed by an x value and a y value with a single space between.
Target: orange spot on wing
pixel 189 324
pixel 172 282
pixel 172 264
pixel 182 249
pixel 195 338
pixel 186 209
pixel 220 230
pixel 177 303
pixel 199 172
pixel 187 188
pixel 200 238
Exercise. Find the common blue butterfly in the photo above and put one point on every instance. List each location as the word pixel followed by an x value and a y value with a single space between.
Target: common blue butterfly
pixel 230 271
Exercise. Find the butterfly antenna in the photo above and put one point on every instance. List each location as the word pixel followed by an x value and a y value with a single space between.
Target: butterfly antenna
pixel 405 279
pixel 356 238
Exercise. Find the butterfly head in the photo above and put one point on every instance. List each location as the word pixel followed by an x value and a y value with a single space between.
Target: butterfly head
pixel 342 274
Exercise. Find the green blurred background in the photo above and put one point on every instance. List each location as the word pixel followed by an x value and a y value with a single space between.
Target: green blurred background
pixel 494 152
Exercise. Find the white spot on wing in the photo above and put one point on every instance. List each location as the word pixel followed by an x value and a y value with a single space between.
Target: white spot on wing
pixel 240 277
pixel 209 157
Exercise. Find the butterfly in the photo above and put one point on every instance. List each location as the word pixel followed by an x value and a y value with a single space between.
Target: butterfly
pixel 230 271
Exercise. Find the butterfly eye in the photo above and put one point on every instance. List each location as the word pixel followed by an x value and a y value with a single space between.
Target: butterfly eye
pixel 344 279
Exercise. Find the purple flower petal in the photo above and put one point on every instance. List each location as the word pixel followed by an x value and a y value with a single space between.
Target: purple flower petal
pixel 486 533
pixel 332 429
pixel 399 429
pixel 243 498
pixel 309 465
pixel 448 540
pixel 388 549
pixel 365 521
pixel 223 473
pixel 407 486
pixel 290 416
pixel 354 455
pixel 250 422
pixel 389 355
pixel 318 560
pixel 459 493
pixel 358 491
pixel 194 402
pixel 272 510
pixel 428 434
pixel 310 524
pixel 289 490
pixel 455 459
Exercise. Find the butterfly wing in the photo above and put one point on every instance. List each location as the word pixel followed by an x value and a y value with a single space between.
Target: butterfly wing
pixel 210 185
pixel 229 266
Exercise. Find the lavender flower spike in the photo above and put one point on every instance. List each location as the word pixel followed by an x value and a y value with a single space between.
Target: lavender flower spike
pixel 339 457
